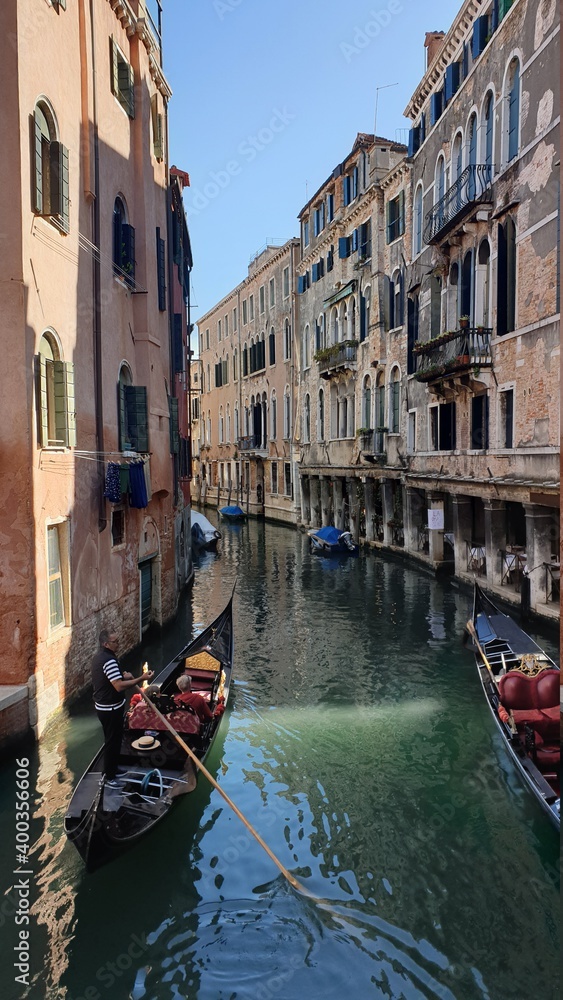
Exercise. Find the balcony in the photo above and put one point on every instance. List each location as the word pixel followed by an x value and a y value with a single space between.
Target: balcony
pixel 472 187
pixel 372 445
pixel 338 357
pixel 453 354
pixel 252 444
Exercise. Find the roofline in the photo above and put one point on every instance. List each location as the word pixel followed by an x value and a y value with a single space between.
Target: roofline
pixel 374 140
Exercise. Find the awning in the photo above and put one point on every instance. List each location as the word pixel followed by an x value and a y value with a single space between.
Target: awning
pixel 347 289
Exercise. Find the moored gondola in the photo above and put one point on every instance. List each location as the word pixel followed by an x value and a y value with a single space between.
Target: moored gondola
pixel 521 685
pixel 154 770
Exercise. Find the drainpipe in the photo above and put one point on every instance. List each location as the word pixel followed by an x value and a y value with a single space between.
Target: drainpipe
pixel 292 366
pixel 97 319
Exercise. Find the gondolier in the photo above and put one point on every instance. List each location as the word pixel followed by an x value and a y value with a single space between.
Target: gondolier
pixel 109 683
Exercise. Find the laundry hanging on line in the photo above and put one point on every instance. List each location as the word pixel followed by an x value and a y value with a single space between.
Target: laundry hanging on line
pixel 128 477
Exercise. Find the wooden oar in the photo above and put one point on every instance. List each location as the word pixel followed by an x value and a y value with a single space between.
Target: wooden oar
pixel 290 878
pixel 472 632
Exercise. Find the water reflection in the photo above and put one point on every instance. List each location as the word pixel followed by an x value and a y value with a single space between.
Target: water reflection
pixel 359 747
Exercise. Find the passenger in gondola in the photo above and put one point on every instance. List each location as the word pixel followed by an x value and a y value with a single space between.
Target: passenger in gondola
pixel 191 699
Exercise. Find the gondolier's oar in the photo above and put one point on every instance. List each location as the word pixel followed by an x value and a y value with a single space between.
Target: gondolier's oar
pixel 473 633
pixel 290 878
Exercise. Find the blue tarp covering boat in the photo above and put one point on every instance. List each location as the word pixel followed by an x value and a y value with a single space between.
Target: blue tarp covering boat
pixel 233 513
pixel 330 540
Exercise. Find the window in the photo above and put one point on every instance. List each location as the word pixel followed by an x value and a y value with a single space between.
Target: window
pixel 117 526
pixel 226 326
pixel 396 217
pixel 418 220
pixel 442 427
pixel 287 478
pixel 306 347
pixel 506 277
pixel 50 173
pixel 207 339
pixel 123 245
pixel 513 115
pixel 435 306
pixel 251 307
pixel 235 365
pixel 330 207
pixel 412 332
pixel 467 286
pixel 398 302
pixel 157 129
pixel 319 219
pixel 244 312
pixel 307 420
pixel 133 414
pixel 482 284
pixel 364 240
pixel 411 432
pixel 57 558
pixel 262 298
pixel 350 187
pixel 235 319
pixel 395 401
pixel 286 414
pixel 321 417
pixel 273 416
pixel 286 282
pixel 506 418
pixel 122 80
pixel 272 292
pixel 366 403
pixel 480 422
pixel 219 330
pixel 272 346
pixel 55 396
pixel 488 109
pixel 306 233
pixel 287 341
pixel 161 270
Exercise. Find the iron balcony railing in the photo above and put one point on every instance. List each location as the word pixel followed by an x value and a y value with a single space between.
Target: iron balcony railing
pixel 338 356
pixel 453 353
pixel 472 186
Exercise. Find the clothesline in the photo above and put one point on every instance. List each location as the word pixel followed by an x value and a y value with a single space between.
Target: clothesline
pixel 132 477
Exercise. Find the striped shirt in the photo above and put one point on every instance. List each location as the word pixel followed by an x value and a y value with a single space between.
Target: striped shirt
pixel 105 669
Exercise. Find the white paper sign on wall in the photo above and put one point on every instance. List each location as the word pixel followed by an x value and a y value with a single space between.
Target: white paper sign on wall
pixel 436 519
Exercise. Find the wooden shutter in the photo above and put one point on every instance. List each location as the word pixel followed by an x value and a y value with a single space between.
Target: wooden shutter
pixel 161 272
pixel 174 426
pixel 363 318
pixel 65 416
pixel 343 247
pixel 37 165
pixel 136 412
pixel 502 297
pixel 42 400
pixel 128 252
pixel 157 130
pixel 59 184
pixel 114 67
pixel 387 296
pixel 177 344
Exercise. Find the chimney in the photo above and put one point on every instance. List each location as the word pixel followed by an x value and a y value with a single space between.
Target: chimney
pixel 433 43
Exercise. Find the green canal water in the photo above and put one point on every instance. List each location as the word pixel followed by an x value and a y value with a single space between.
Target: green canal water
pixel 359 745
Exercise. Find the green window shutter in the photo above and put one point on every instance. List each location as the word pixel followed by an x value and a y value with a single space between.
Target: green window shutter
pixel 157 130
pixel 124 444
pixel 114 67
pixel 137 417
pixel 70 404
pixel 174 426
pixel 61 423
pixel 401 213
pixel 177 344
pixel 161 270
pixel 60 184
pixel 128 252
pixel 42 403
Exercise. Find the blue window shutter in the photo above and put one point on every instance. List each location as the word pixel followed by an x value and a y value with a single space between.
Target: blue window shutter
pixel 451 82
pixel 465 61
pixel 315 272
pixel 435 106
pixel 355 183
pixel 494 16
pixel 422 127
pixel 354 240
pixel 414 140
pixel 363 318
pixel 300 284
pixel 346 189
pixel 343 247
pixel 480 33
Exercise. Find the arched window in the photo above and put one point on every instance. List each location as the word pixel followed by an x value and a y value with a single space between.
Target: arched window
pixel 418 220
pixel 307 420
pixel 244 361
pixel 412 331
pixel 320 333
pixel 512 105
pixel 380 416
pixel 321 416
pixel 452 303
pixel 457 157
pixel 506 277
pixel 287 341
pixel 366 403
pixel 55 396
pixel 273 416
pixel 307 347
pixel 286 413
pixel 352 314
pixel 123 244
pixel 466 296
pixel 398 300
pixel 395 401
pixel 272 346
pixel 334 326
pixel 482 285
pixel 488 116
pixel 472 157
pixel 49 162
pixel 133 413
pixel 440 180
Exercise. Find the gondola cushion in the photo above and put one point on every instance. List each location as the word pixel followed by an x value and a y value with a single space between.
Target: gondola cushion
pixel 143 717
pixel 532 699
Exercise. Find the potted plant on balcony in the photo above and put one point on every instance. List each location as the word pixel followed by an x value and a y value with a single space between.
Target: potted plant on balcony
pixel 463 322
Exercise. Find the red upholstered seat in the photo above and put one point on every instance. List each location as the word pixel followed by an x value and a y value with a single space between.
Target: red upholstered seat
pixel 532 699
pixel 143 717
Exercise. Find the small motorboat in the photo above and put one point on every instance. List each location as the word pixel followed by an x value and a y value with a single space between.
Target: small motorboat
pixel 102 820
pixel 204 534
pixel 233 513
pixel 330 541
pixel 521 685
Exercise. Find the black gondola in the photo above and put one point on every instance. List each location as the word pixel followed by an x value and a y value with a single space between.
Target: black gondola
pixel 521 685
pixel 101 820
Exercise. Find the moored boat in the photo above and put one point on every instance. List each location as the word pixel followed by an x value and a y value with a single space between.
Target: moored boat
pixel 329 541
pixel 204 534
pixel 154 770
pixel 521 685
pixel 232 513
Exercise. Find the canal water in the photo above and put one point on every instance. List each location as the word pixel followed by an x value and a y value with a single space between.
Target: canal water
pixel 359 745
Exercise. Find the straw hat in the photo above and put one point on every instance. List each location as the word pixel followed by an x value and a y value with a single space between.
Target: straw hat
pixel 145 743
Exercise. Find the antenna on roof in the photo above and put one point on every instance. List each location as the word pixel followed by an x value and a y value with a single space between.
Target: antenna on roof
pixel 377 89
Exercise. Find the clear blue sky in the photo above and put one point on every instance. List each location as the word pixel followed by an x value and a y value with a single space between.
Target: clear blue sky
pixel 268 98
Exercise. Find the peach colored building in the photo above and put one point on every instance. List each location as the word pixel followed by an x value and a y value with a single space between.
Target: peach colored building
pixel 246 424
pixel 87 327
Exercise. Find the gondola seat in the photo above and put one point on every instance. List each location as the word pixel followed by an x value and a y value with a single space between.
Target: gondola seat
pixel 533 700
pixel 143 717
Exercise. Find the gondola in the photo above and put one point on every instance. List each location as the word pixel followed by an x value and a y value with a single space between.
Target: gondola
pixel 204 534
pixel 232 513
pixel 101 821
pixel 521 685
pixel 330 541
